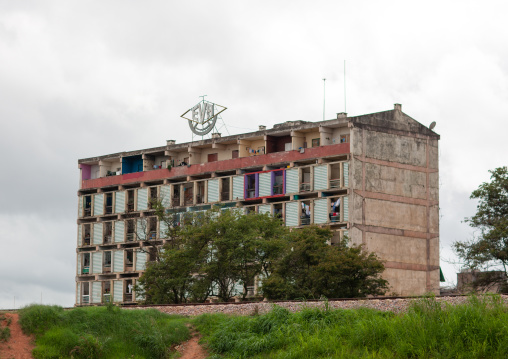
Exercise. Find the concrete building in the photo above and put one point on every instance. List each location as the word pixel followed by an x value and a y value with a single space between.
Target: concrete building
pixel 373 177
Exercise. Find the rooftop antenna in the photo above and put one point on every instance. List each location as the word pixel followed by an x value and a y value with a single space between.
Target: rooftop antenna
pixel 324 98
pixel 203 98
pixel 345 86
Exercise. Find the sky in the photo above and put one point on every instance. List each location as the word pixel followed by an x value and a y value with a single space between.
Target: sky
pixel 85 78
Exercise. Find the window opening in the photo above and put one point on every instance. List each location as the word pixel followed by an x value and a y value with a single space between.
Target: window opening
pixel 86 264
pixel 234 154
pixel 87 206
pixel 152 200
pixel 130 200
pixel 175 200
pixel 251 185
pixel 315 142
pixel 106 292
pixel 127 296
pixel 335 175
pixel 277 210
pixel 107 262
pixel 212 157
pixel 250 209
pixel 86 235
pixel 224 194
pixel 278 182
pixel 305 213
pixel 344 138
pixel 108 232
pixel 129 260
pixel 131 230
pixel 188 194
pixel 201 193
pixel 334 214
pixel 305 185
pixel 109 203
pixel 152 228
pixel 85 292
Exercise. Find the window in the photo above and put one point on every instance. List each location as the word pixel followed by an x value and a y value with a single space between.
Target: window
pixel 234 154
pixel 344 138
pixel 315 142
pixel 212 157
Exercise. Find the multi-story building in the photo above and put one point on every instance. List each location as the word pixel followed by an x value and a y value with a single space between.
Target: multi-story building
pixel 373 177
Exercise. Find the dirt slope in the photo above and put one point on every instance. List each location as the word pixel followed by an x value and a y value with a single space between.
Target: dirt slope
pixel 19 346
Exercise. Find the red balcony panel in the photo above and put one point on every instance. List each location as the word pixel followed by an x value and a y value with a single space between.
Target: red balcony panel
pixel 226 165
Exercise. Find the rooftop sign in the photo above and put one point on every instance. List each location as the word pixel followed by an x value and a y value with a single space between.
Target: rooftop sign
pixel 203 116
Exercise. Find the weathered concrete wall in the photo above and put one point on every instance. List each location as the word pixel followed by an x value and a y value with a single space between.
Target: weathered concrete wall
pixel 394 198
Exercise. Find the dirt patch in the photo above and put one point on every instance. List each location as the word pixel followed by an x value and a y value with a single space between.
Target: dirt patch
pixel 191 349
pixel 19 345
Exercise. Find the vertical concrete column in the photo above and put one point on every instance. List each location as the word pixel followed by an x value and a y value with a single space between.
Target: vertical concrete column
pixel 297 140
pixel 325 135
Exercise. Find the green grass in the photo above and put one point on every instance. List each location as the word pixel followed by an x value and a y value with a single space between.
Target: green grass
pixel 102 332
pixel 478 329
pixel 5 332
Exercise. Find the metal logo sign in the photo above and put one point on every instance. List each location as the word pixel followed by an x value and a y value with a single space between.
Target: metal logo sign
pixel 203 117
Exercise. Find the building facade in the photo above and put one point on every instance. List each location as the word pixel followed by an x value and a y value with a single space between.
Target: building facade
pixel 372 177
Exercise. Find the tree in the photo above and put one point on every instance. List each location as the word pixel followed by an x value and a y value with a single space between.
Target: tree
pixel 311 268
pixel 490 247
pixel 210 255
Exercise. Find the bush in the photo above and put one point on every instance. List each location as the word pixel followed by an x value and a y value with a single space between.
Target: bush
pixel 35 318
pixel 5 334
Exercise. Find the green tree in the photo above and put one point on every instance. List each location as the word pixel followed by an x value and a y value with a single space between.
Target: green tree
pixel 490 247
pixel 311 268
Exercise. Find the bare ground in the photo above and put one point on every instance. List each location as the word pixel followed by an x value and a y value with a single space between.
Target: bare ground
pixel 19 345
pixel 191 349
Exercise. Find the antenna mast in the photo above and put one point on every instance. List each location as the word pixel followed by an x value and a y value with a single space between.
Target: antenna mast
pixel 345 86
pixel 324 98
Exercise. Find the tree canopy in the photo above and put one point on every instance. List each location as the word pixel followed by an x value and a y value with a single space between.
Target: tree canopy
pixel 490 247
pixel 221 252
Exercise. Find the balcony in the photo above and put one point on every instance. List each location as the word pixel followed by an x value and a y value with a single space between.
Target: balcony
pixel 224 196
pixel 109 210
pixel 305 187
pixel 85 270
pixel 127 297
pixel 85 299
pixel 130 237
pixel 278 189
pixel 335 183
pixel 86 240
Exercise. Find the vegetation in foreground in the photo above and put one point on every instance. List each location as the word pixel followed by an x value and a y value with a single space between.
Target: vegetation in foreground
pixel 478 329
pixel 101 332
pixel 5 331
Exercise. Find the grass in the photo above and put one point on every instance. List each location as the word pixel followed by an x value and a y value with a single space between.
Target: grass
pixel 101 332
pixel 478 329
pixel 5 332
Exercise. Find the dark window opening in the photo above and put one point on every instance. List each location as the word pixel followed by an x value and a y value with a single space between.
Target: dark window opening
pixel 130 200
pixel 87 206
pixel 251 185
pixel 224 194
pixel 86 235
pixel 106 268
pixel 175 200
pixel 334 214
pixel 108 232
pixel 235 154
pixel 315 142
pixel 278 182
pixel 109 203
pixel 212 157
pixel 305 213
pixel 86 264
pixel 127 296
pixel 152 199
pixel 131 230
pixel 305 185
pixel 152 228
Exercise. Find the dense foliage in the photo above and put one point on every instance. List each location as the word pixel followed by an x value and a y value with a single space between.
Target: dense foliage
pixel 221 252
pixel 475 330
pixel 101 332
pixel 490 247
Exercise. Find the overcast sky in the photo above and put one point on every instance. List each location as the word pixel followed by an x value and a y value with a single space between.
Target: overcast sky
pixel 86 78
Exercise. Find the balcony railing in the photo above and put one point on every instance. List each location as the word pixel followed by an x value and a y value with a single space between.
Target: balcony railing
pixel 224 196
pixel 251 193
pixel 109 209
pixel 305 187
pixel 106 298
pixel 335 183
pixel 106 268
pixel 130 207
pixel 107 238
pixel 85 299
pixel 129 237
pixel 85 270
pixel 304 221
pixel 334 217
pixel 87 212
pixel 127 297
pixel 86 240
pixel 278 189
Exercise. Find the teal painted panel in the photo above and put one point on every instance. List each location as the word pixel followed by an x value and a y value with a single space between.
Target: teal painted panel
pixel 320 177
pixel 346 174
pixel 119 231
pixel 265 208
pixel 97 233
pixel 142 199
pixel 117 291
pixel 118 261
pixel 96 262
pixel 292 180
pixel 321 211
pixel 96 292
pixel 292 212
pixel 140 260
pixel 80 206
pixel 265 184
pixel 165 194
pixel 80 235
pixel 213 190
pixel 120 202
pixel 346 208
pixel 98 204
pixel 238 188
